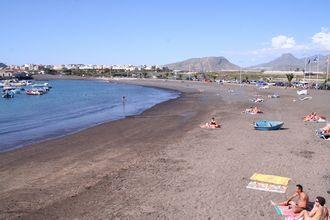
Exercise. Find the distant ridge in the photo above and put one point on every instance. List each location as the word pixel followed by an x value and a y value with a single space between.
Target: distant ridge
pixel 2 65
pixel 288 62
pixel 285 62
pixel 205 64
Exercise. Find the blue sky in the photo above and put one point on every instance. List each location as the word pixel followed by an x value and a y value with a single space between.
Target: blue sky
pixel 160 32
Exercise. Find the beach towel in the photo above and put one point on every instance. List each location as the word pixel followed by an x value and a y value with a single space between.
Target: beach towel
pixel 278 180
pixel 266 187
pixel 286 212
pixel 207 126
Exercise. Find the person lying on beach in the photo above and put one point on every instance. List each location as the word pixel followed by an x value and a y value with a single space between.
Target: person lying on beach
pixel 319 211
pixel 326 129
pixel 211 124
pixel 255 100
pixel 302 200
pixel 252 110
pixel 313 117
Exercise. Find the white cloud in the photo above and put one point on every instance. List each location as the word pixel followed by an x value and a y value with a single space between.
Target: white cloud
pixel 322 39
pixel 283 42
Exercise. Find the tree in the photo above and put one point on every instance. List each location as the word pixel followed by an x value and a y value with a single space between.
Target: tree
pixel 145 74
pixel 289 76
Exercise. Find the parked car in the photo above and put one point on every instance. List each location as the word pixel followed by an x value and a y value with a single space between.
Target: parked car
pixel 324 86
pixel 279 83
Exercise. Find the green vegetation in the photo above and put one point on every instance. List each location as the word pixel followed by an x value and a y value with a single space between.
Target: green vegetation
pixel 290 77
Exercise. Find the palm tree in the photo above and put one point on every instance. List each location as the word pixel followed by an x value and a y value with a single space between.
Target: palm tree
pixel 289 76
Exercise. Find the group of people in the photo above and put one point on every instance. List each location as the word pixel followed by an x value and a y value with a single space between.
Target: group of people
pixel 314 117
pixel 300 208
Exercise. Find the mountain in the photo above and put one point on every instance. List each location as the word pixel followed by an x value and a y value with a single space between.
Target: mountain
pixel 289 62
pixel 205 64
pixel 285 62
pixel 2 65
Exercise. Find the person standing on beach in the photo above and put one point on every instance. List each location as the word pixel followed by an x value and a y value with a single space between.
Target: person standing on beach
pixel 123 99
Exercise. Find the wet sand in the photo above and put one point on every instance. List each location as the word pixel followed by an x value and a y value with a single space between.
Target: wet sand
pixel 161 165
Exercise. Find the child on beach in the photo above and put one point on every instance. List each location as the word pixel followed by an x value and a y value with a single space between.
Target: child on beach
pixel 211 124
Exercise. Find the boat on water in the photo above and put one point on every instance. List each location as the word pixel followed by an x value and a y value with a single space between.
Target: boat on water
pixel 8 88
pixel 268 125
pixel 34 92
pixel 43 85
pixel 8 94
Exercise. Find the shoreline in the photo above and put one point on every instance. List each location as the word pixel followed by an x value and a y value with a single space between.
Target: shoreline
pixel 160 164
pixel 57 136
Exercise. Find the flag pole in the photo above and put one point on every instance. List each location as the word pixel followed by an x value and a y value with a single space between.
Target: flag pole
pixel 310 70
pixel 326 82
pixel 305 70
pixel 317 71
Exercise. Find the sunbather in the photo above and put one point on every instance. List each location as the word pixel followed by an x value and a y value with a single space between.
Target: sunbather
pixel 253 110
pixel 326 129
pixel 257 100
pixel 319 211
pixel 301 203
pixel 211 124
pixel 314 117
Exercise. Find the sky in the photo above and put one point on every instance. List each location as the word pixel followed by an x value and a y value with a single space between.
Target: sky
pixel 247 32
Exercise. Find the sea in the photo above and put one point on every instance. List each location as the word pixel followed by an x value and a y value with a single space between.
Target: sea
pixel 70 106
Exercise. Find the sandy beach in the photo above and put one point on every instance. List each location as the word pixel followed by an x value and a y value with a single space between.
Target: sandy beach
pixel 162 165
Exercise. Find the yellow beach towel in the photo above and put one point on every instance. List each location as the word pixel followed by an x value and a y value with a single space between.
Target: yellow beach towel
pixel 278 180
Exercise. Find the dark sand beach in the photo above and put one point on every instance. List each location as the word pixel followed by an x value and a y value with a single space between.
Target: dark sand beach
pixel 161 165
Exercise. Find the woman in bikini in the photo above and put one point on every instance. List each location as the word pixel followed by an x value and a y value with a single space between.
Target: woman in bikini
pixel 319 211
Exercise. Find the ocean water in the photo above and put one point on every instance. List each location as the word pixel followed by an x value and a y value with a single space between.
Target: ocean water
pixel 71 105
